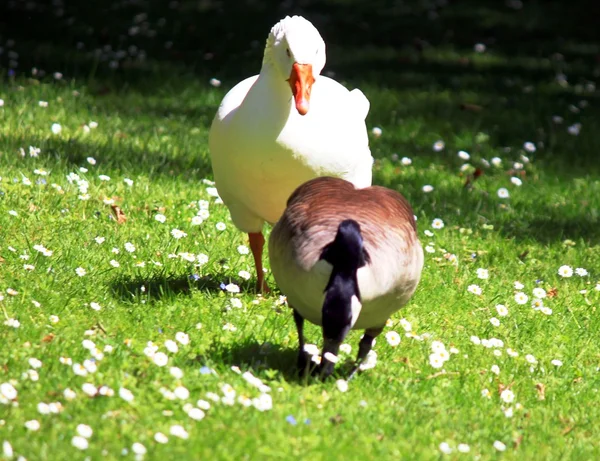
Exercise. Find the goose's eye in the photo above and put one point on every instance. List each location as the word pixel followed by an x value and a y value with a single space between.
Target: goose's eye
pixel 287 50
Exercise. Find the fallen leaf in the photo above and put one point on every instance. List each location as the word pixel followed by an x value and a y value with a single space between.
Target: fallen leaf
pixel 48 338
pixel 119 215
pixel 337 419
pixel 443 373
pixel 470 107
pixel 517 442
pixel 473 177
pixel 566 430
pixel 541 389
pixel 552 292
pixel 521 173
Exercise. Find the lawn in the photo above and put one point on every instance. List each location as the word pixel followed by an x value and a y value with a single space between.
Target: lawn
pixel 129 324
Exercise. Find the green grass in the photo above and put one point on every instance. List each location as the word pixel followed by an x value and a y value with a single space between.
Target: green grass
pixel 154 132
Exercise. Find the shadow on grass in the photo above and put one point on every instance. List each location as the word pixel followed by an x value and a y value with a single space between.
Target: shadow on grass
pixel 265 357
pixel 160 286
pixel 118 153
pixel 163 285
pixel 258 357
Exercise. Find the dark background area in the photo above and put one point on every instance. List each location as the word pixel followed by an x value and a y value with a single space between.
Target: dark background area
pixel 210 36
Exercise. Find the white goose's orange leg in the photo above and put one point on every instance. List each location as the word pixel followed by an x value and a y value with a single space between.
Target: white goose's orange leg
pixel 257 242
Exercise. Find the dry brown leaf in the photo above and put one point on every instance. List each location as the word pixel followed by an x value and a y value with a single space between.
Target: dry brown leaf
pixel 443 373
pixel 337 419
pixel 541 389
pixel 119 215
pixel 517 442
pixel 470 107
pixel 48 338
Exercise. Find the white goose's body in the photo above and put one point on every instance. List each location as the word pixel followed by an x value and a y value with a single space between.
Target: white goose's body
pixel 262 148
pixel 274 131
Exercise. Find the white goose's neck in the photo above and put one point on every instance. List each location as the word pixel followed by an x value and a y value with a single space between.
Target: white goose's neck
pixel 272 81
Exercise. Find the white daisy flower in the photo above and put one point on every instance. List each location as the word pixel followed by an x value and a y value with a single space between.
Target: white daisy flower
pixel 482 274
pixel 79 442
pixel 437 223
pixel 507 396
pixel 392 338
pixel 439 146
pixel 565 271
pixel 502 310
pixel 521 298
pixel 176 233
pixel 503 193
pixel 475 289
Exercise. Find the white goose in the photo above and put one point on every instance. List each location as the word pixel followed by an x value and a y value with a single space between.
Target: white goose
pixel 346 258
pixel 274 131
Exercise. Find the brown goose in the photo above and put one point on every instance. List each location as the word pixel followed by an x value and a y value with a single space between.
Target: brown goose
pixel 346 258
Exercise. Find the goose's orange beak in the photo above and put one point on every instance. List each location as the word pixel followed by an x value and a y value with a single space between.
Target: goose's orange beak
pixel 301 81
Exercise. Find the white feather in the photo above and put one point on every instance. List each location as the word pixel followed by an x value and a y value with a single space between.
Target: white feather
pixel 262 148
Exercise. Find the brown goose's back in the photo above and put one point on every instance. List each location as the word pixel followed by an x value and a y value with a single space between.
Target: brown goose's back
pixel 310 222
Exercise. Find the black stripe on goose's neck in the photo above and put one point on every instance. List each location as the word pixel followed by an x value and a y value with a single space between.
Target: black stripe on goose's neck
pixel 346 254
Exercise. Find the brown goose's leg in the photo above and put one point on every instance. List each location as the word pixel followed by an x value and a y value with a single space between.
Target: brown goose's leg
pixel 364 347
pixel 303 358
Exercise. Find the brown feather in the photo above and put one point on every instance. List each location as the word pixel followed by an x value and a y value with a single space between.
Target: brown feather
pixel 318 206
